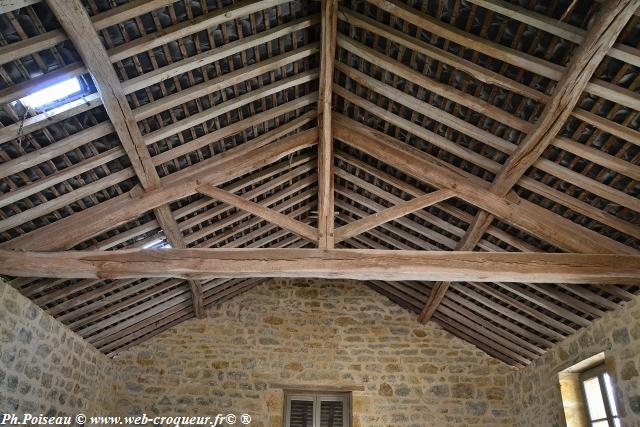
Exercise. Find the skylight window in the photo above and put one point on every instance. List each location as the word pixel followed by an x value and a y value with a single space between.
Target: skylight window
pixel 151 244
pixel 156 244
pixel 53 93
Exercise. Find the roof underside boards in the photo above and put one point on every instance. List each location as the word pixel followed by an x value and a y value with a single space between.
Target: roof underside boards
pixel 217 84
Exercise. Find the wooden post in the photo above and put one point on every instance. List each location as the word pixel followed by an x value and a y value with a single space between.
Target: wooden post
pixel 329 28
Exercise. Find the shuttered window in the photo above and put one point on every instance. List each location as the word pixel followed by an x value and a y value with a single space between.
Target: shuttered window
pixel 317 410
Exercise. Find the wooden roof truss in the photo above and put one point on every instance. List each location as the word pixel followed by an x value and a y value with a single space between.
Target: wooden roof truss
pixel 477 162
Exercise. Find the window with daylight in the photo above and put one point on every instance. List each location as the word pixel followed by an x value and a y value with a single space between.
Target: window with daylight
pixel 599 398
pixel 317 410
pixel 54 94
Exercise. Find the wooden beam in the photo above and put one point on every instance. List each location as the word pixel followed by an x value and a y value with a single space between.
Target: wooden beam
pixel 467 243
pixel 386 196
pixel 126 11
pixel 507 311
pixel 222 82
pixel 232 104
pixel 290 107
pixel 515 57
pixel 184 29
pixel 51 38
pixel 241 216
pixel 512 209
pixel 74 20
pixel 558 28
pixel 209 57
pixel 610 21
pixel 478 134
pixel 480 73
pixel 221 168
pixel 78 26
pixel 436 296
pixel 257 209
pixel 293 170
pixel 174 236
pixel 66 199
pixel 55 115
pixel 460 97
pixel 11 5
pixel 322 263
pixel 410 189
pixel 104 305
pixel 197 298
pixel 22 48
pixel 472 69
pixel 401 209
pixel 533 312
pixel 533 335
pixel 55 149
pixel 61 175
pixel 329 28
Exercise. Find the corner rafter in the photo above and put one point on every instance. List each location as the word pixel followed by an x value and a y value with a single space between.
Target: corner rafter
pixel 174 236
pixel 514 210
pixel 610 21
pixel 219 169
pixel 79 28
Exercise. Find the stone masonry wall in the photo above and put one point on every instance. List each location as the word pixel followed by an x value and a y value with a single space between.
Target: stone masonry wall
pixel 536 388
pixel 44 367
pixel 318 334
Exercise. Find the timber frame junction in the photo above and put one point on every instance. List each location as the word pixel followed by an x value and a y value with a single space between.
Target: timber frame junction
pixel 475 161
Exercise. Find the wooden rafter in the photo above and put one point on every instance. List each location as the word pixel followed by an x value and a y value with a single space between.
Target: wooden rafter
pixel 611 19
pixel 222 115
pixel 439 290
pixel 481 135
pixel 397 211
pixel 512 209
pixel 512 56
pixel 257 209
pixel 129 86
pixel 169 226
pixel 77 24
pixel 576 35
pixel 415 192
pixel 321 263
pixel 236 162
pixel 329 27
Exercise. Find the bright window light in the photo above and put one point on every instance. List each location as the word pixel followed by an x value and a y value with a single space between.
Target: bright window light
pixel 52 93
pixel 156 244
pixel 151 244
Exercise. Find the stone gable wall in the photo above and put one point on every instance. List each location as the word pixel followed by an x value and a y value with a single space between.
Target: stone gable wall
pixel 536 388
pixel 316 334
pixel 45 368
pixel 302 333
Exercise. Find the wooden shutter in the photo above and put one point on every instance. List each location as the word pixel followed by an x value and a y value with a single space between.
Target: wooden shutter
pixel 317 410
pixel 332 413
pixel 301 413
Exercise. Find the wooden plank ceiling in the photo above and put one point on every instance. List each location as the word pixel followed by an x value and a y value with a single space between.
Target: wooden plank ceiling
pixel 448 125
